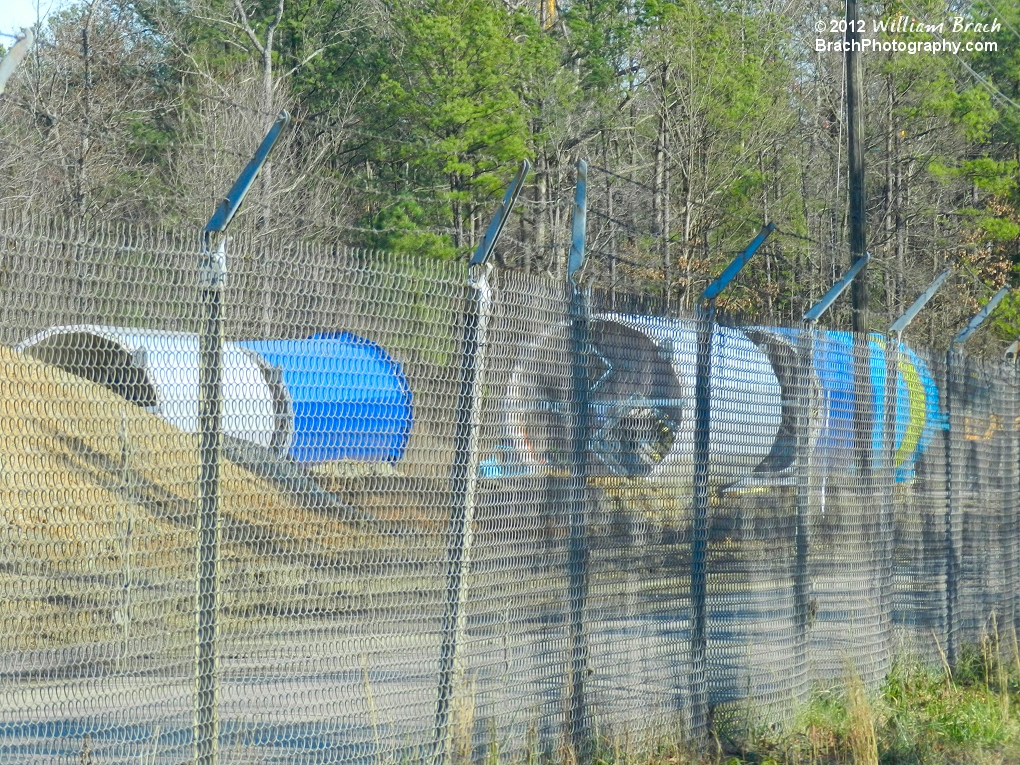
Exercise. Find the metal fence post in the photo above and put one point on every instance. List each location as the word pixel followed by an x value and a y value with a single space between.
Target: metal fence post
pixel 887 521
pixel 952 562
pixel 802 585
pixel 869 517
pixel 954 547
pixel 464 472
pixel 211 276
pixel 801 575
pixel 894 338
pixel 578 553
pixel 699 522
pixel 1013 513
pixel 463 489
pixel 1010 496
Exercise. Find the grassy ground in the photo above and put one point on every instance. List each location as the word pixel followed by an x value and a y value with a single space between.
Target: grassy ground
pixel 920 716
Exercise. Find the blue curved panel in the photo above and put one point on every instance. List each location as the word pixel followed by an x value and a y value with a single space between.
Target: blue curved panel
pixel 349 398
pixel 917 409
pixel 933 417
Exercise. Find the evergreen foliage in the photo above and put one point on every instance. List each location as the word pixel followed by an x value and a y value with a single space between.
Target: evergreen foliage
pixel 711 116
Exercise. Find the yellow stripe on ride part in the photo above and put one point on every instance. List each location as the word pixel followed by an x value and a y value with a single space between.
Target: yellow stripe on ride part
pixel 917 409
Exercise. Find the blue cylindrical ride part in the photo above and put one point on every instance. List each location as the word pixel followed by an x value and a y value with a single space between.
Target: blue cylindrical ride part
pixel 348 398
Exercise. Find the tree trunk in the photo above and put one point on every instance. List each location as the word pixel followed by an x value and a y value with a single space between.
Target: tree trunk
pixel 541 208
pixel 660 197
pixel 900 201
pixel 688 245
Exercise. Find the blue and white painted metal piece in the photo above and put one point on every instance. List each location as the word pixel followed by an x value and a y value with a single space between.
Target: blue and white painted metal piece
pixel 329 397
pixel 744 387
pixel 642 402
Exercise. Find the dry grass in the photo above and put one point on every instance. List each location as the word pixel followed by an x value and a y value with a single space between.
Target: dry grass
pixel 98 499
pixel 861 723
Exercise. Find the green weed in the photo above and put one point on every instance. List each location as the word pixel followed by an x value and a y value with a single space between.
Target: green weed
pixel 920 716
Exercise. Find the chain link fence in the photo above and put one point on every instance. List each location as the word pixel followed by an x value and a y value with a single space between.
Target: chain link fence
pixel 461 516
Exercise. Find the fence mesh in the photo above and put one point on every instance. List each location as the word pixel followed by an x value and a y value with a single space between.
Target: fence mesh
pixel 458 515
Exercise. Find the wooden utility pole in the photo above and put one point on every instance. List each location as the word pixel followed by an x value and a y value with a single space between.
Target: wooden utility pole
pixel 547 13
pixel 858 221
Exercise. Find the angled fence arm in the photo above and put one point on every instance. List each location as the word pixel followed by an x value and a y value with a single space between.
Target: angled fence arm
pixel 502 214
pixel 231 203
pixel 837 289
pixel 579 222
pixel 980 317
pixel 899 326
